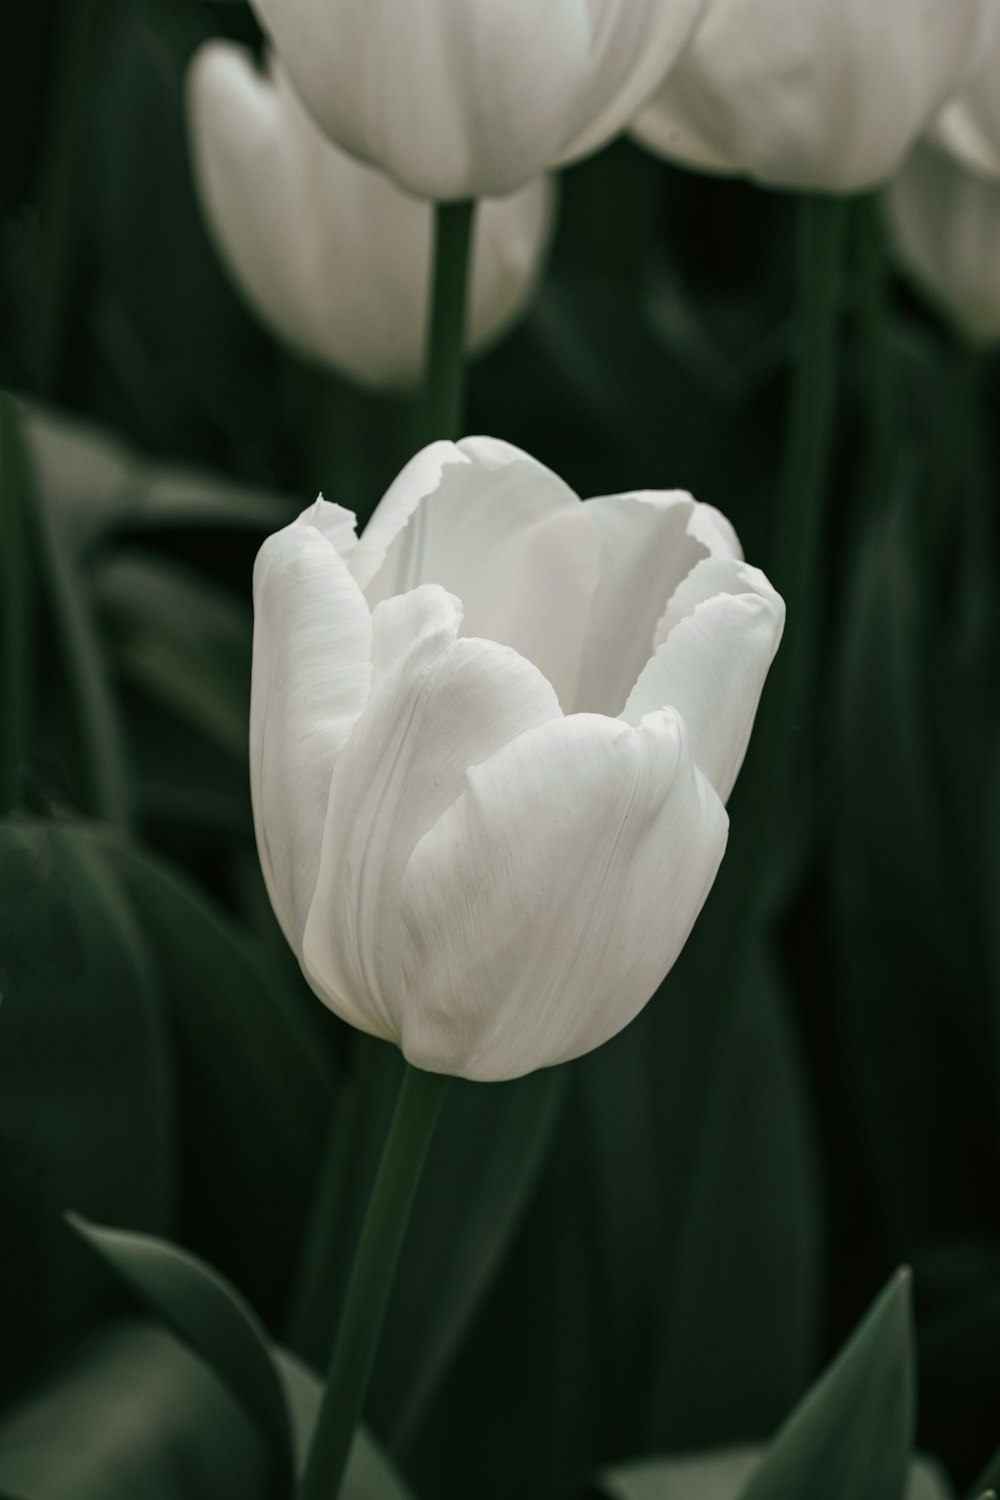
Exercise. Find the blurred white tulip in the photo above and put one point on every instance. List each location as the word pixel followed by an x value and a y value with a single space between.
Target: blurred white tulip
pixel 491 743
pixel 332 255
pixel 472 98
pixel 969 124
pixel 945 222
pixel 821 95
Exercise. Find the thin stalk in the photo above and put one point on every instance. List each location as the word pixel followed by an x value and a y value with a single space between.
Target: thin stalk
pixel 800 520
pixel 875 326
pixel 61 185
pixel 443 397
pixel 421 1096
pixel 16 606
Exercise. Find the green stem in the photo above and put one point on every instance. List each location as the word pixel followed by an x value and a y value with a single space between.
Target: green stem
pixel 875 320
pixel 16 605
pixel 442 400
pixel 421 1096
pixel 359 1122
pixel 799 521
pixel 61 178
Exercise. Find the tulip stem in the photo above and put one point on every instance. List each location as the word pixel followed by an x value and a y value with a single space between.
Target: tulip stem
pixel 418 1106
pixel 442 401
pixel 16 605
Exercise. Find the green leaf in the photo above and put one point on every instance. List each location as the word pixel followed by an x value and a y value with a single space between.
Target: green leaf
pixel 130 1413
pixel 98 486
pixel 850 1437
pixel 747 1266
pixel 86 1079
pixel 183 641
pixel 206 1312
pixel 723 1475
pixel 370 1475
pixel 256 1076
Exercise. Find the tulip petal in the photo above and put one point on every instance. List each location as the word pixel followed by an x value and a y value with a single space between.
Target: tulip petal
pixel 718 639
pixel 546 905
pixel 311 675
pixel 650 541
pixel 490 524
pixel 438 704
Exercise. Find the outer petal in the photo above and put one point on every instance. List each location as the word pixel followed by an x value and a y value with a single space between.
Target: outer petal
pixel 332 256
pixel 719 636
pixel 438 705
pixel 311 675
pixel 650 541
pixel 546 905
pixel 501 531
pixel 946 225
pixel 472 98
pixel 818 94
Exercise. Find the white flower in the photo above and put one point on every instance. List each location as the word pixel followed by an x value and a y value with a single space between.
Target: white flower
pixel 490 746
pixel 969 124
pixel 332 255
pixel 826 95
pixel 473 98
pixel 945 221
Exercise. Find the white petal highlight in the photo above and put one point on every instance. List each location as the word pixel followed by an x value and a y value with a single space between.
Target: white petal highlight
pixel 543 909
pixel 310 680
pixel 716 643
pixel 438 705
pixel 506 535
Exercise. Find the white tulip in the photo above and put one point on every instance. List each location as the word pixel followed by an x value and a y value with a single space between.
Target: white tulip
pixel 969 124
pixel 333 257
pixel 491 743
pixel 945 222
pixel 822 95
pixel 473 98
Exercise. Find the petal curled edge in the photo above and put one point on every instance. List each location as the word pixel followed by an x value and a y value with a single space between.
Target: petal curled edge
pixel 489 523
pixel 310 678
pixel 438 705
pixel 649 541
pixel 715 645
pixel 546 905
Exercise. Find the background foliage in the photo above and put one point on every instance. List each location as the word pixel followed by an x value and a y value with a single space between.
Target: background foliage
pixel 651 1252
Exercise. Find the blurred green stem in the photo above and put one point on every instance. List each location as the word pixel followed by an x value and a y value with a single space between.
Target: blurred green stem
pixel 442 400
pixel 16 605
pixel 71 89
pixel 421 1096
pixel 951 445
pixel 799 531
pixel 875 318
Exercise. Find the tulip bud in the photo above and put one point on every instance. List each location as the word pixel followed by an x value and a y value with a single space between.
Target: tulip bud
pixel 333 257
pixel 822 95
pixel 490 745
pixel 473 98
pixel 945 221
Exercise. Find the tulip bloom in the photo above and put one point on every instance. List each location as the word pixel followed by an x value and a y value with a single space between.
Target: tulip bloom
pixel 333 257
pixel 821 95
pixel 491 743
pixel 945 221
pixel 473 98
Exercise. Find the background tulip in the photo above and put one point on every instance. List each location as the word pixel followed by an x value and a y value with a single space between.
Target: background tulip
pixel 331 254
pixel 471 98
pixel 487 826
pixel 969 124
pixel 812 94
pixel 945 221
